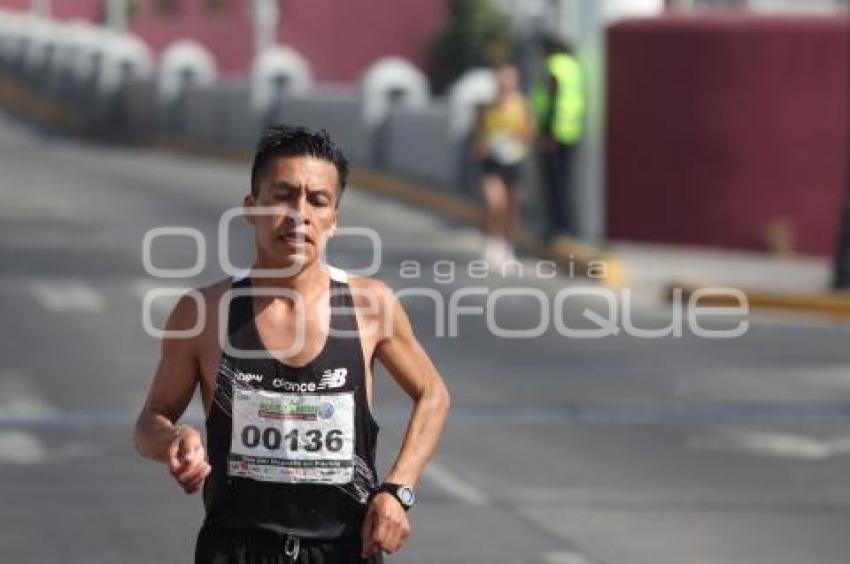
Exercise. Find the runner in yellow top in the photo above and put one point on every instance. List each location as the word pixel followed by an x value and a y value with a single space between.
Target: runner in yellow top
pixel 503 136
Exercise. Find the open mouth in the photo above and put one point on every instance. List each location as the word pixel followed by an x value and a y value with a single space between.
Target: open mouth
pixel 295 238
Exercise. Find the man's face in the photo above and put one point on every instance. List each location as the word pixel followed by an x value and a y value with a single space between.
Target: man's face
pixel 305 189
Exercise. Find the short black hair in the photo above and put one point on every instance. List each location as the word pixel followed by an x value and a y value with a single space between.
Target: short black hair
pixel 291 141
pixel 551 44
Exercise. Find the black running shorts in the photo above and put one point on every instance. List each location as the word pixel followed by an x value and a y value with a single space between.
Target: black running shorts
pixel 229 546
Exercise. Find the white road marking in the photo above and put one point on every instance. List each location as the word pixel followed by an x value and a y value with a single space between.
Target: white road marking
pixel 56 242
pixel 569 557
pixel 766 443
pixel 21 449
pixel 62 296
pixel 75 450
pixel 161 306
pixel 18 399
pixel 453 485
pixel 39 205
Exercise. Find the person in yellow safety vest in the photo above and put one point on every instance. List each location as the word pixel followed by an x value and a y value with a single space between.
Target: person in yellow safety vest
pixel 559 107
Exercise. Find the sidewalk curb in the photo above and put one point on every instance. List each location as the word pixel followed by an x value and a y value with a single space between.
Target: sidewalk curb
pixel 19 99
pixel 833 304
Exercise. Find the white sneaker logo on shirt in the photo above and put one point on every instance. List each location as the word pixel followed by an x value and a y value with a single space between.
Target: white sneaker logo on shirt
pixel 333 378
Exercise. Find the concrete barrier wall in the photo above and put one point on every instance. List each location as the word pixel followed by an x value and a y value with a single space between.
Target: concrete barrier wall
pixel 413 137
pixel 337 112
pixel 217 115
pixel 418 145
pixel 141 105
pixel 241 127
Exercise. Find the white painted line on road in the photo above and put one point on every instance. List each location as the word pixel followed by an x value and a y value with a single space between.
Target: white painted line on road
pixel 75 451
pixel 765 443
pixel 19 399
pixel 21 449
pixel 39 207
pixel 453 485
pixel 161 305
pixel 57 242
pixel 62 296
pixel 568 557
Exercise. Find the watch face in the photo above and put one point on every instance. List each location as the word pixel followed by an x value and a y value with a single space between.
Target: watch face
pixel 406 495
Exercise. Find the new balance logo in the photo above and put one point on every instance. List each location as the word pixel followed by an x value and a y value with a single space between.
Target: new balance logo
pixel 333 378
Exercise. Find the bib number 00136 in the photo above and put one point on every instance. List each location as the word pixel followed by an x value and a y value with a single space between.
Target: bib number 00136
pixel 292 438
pixel 271 438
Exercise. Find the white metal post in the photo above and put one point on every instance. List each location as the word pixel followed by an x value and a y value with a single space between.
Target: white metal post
pixel 266 16
pixel 583 22
pixel 40 8
pixel 116 14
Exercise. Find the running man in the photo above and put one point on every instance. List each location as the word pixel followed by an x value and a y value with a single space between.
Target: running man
pixel 285 370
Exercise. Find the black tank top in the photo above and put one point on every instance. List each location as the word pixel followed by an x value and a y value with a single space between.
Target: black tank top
pixel 287 454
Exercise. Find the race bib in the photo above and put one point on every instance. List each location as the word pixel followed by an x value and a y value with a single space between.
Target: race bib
pixel 292 438
pixel 506 149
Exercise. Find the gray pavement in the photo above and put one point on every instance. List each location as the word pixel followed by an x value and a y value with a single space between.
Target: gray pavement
pixel 617 450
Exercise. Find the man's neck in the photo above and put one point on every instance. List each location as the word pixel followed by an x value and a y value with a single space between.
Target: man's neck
pixel 308 280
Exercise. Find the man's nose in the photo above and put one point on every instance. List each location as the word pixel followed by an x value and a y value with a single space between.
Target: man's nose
pixel 299 212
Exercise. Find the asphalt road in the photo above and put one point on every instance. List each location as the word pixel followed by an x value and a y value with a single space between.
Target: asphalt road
pixel 615 450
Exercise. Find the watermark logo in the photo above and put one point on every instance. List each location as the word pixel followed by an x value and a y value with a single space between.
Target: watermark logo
pixel 586 311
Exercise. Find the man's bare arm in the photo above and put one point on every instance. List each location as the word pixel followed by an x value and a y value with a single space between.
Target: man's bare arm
pixel 411 367
pixel 386 526
pixel 178 373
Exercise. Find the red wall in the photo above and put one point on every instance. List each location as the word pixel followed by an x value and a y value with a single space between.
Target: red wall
pixel 88 10
pixel 228 36
pixel 720 125
pixel 340 38
pixel 15 4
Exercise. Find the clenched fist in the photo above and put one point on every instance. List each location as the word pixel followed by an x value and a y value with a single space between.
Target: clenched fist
pixel 187 459
pixel 386 526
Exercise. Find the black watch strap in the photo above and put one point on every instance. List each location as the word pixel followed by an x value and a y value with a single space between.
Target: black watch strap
pixel 404 494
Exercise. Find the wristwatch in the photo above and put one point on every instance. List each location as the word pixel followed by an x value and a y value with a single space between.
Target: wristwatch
pixel 404 494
